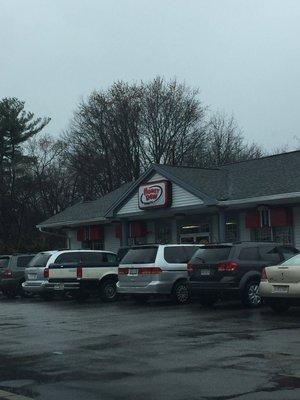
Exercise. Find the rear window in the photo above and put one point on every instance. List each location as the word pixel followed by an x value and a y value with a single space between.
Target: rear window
pixel 190 250
pixel 270 254
pixel 93 258
pixel 23 261
pixel 175 255
pixel 4 262
pixel 110 258
pixel 211 254
pixel 292 261
pixel 40 260
pixel 141 255
pixel 287 252
pixel 249 254
pixel 179 254
pixel 73 257
pixel 122 252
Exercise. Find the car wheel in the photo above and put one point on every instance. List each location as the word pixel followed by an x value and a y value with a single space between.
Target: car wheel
pixel 108 290
pixel 250 296
pixel 208 300
pixel 279 306
pixel 181 293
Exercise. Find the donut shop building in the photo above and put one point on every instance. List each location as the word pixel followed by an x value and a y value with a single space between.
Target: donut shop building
pixel 249 200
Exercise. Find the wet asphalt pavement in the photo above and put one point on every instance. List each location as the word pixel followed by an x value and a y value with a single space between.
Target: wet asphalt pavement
pixel 123 351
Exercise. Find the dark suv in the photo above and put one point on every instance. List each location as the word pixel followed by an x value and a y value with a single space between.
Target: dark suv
pixel 12 273
pixel 233 270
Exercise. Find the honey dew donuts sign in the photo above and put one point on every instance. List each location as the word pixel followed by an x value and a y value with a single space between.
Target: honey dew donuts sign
pixel 155 195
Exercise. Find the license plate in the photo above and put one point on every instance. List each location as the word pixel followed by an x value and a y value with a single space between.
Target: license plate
pixel 133 272
pixel 32 276
pixel 281 289
pixel 59 286
pixel 205 272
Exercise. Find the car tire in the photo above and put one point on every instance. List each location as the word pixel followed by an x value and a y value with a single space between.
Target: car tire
pixel 181 293
pixel 250 295
pixel 208 300
pixel 108 290
pixel 279 306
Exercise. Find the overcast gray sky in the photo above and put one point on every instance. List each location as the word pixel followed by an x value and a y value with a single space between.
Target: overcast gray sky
pixel 243 55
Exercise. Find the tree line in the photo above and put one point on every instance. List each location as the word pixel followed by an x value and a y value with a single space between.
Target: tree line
pixel 113 136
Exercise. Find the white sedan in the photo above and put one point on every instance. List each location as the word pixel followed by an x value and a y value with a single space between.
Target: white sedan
pixel 280 284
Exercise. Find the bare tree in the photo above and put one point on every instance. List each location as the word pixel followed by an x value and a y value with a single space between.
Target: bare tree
pixel 224 143
pixel 172 122
pixel 54 187
pixel 104 150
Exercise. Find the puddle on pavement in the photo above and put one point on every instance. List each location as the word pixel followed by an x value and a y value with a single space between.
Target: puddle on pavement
pixel 288 382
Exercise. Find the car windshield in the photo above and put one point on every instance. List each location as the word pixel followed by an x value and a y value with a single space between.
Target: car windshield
pixel 293 261
pixel 211 254
pixel 40 260
pixel 141 255
pixel 4 262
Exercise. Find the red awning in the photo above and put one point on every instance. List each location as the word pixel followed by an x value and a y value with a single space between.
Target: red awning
pixel 252 219
pixel 137 229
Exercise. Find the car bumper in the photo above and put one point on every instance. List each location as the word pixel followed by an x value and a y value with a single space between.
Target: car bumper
pixel 9 283
pixel 268 290
pixel 63 286
pixel 35 286
pixel 156 287
pixel 211 287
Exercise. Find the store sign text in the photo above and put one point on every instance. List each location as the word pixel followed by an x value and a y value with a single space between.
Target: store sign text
pixel 155 195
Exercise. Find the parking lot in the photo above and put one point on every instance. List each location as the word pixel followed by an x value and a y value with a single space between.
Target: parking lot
pixel 65 350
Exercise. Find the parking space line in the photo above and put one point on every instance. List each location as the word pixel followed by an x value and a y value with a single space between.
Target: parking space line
pixel 12 396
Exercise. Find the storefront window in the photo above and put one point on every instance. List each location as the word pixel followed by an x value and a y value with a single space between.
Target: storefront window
pixel 282 234
pixel 190 233
pixel 137 241
pixel 190 228
pixel 93 245
pixel 263 234
pixel 163 233
pixel 231 229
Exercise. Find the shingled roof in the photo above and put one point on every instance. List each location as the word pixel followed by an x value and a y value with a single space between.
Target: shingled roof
pixel 86 210
pixel 266 176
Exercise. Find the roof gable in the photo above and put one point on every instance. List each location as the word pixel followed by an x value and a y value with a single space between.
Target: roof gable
pixel 167 173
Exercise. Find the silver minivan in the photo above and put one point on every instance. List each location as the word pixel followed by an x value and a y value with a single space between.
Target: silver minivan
pixel 156 269
pixel 36 277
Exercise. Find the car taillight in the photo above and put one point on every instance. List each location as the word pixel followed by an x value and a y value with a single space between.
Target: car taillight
pixel 46 273
pixel 227 266
pixel 79 272
pixel 264 275
pixel 190 268
pixel 7 273
pixel 150 271
pixel 123 271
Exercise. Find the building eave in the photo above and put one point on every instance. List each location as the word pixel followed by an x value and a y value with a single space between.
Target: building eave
pixel 260 199
pixel 98 220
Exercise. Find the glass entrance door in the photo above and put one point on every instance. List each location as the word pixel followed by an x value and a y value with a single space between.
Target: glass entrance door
pixel 195 233
pixel 195 238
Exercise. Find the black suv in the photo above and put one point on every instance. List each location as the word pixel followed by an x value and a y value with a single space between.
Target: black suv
pixel 233 270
